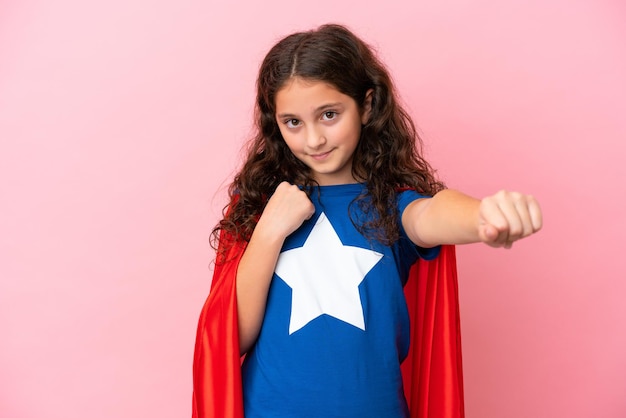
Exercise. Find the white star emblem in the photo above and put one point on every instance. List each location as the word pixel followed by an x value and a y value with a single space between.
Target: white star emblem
pixel 324 276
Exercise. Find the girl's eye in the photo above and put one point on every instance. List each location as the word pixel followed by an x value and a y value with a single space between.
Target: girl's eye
pixel 330 115
pixel 292 123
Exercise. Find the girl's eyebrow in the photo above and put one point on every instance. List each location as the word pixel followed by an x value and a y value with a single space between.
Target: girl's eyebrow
pixel 316 110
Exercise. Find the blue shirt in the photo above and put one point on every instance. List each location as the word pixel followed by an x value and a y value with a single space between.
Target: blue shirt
pixel 336 326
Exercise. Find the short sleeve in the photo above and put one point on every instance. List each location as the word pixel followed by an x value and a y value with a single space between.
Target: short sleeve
pixel 404 199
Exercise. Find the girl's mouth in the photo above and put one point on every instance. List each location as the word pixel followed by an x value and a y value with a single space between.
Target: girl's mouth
pixel 321 156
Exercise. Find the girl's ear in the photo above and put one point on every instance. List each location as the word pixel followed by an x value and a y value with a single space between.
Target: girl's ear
pixel 367 107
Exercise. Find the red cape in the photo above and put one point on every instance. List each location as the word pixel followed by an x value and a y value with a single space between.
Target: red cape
pixel 432 372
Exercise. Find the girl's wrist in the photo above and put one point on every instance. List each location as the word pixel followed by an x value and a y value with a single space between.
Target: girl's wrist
pixel 268 234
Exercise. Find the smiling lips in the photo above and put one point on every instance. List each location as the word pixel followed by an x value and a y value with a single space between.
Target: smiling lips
pixel 320 156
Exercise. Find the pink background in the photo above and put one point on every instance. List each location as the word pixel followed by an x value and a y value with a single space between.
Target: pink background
pixel 121 123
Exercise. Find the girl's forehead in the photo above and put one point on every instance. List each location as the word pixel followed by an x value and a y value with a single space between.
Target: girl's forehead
pixel 300 95
pixel 305 83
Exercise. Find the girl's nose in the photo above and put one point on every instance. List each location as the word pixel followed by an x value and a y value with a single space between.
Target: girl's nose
pixel 315 138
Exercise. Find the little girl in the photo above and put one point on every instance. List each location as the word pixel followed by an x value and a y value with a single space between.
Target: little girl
pixel 330 210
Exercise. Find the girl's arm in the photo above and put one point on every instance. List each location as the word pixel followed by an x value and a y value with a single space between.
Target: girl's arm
pixel 285 211
pixel 451 217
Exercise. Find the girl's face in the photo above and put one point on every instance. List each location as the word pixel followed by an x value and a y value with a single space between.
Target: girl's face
pixel 321 126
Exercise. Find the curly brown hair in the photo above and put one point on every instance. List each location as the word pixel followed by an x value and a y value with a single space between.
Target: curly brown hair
pixel 388 156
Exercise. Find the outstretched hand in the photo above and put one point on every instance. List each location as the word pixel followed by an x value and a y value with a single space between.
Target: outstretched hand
pixel 506 217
